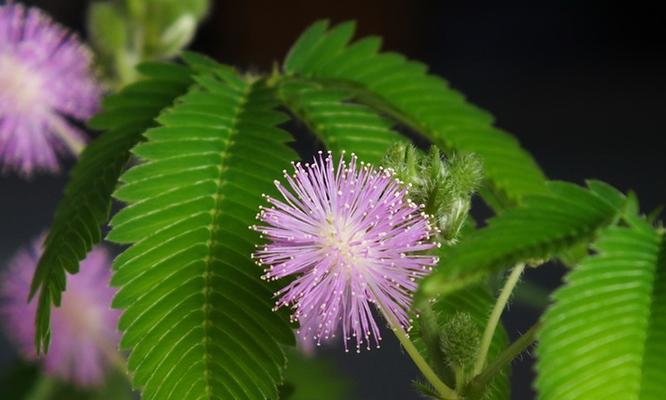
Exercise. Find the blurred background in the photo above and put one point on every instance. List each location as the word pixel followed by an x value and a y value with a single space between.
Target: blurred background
pixel 581 84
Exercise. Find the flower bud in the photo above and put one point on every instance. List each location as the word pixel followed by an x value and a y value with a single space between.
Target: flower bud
pixel 460 340
pixel 443 186
pixel 404 160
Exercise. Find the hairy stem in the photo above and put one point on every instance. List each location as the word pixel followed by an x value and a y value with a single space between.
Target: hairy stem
pixel 478 384
pixel 460 377
pixel 491 326
pixel 442 388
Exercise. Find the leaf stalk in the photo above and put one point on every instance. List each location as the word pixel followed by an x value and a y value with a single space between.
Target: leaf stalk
pixel 476 386
pixel 495 315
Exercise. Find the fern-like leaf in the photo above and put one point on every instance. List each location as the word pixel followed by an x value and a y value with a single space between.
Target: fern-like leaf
pixel 86 203
pixel 340 124
pixel 539 229
pixel 403 90
pixel 605 336
pixel 197 317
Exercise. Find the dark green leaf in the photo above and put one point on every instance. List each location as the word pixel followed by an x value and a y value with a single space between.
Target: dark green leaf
pixel 86 203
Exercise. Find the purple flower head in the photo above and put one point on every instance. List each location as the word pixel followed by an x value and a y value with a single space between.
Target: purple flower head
pixel 350 237
pixel 45 80
pixel 84 338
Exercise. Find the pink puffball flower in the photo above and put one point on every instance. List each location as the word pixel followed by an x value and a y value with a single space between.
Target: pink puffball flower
pixel 350 237
pixel 45 82
pixel 84 338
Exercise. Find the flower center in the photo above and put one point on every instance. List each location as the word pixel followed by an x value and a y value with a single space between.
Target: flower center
pixel 20 86
pixel 83 319
pixel 344 241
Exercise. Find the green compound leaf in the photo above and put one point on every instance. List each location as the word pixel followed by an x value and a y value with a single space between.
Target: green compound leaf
pixel 543 226
pixel 86 203
pixel 605 335
pixel 196 315
pixel 340 124
pixel 404 91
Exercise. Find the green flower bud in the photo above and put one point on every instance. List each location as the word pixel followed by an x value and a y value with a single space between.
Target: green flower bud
pixel 178 35
pixel 405 161
pixel 126 33
pixel 464 176
pixel 460 339
pixel 107 27
pixel 136 8
pixel 444 187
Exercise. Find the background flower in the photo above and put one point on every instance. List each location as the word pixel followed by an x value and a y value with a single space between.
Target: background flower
pixel 45 80
pixel 84 338
pixel 351 237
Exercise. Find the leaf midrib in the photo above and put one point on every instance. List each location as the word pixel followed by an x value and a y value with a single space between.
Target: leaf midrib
pixel 214 227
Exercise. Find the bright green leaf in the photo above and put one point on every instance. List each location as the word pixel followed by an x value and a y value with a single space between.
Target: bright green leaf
pixel 605 335
pixel 197 318
pixel 537 230
pixel 404 91
pixel 86 203
pixel 341 125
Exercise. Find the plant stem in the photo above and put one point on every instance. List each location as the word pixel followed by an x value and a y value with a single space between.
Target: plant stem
pixel 476 386
pixel 495 317
pixel 460 377
pixel 442 388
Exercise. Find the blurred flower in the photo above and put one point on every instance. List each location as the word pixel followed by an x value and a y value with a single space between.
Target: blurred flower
pixel 84 338
pixel 45 80
pixel 350 237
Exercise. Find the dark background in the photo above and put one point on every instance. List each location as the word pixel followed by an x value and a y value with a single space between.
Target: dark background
pixel 581 84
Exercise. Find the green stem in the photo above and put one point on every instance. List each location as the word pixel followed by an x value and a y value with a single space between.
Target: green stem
pixel 460 377
pixel 478 384
pixel 491 326
pixel 442 388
